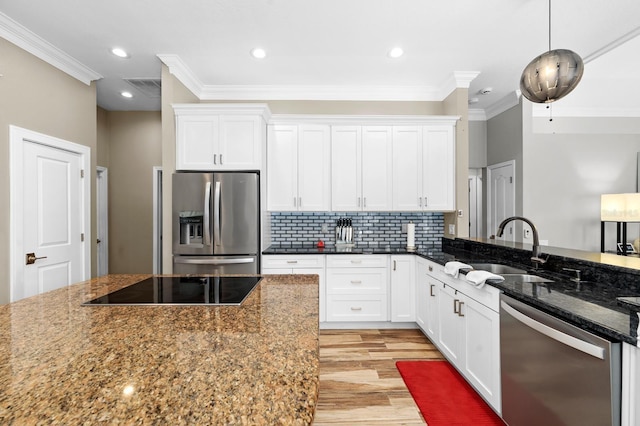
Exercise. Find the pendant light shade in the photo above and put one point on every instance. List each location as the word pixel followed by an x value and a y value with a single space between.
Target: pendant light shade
pixel 551 76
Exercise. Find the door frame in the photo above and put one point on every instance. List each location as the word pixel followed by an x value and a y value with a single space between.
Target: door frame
pixel 102 219
pixel 490 194
pixel 17 136
pixel 157 219
pixel 475 203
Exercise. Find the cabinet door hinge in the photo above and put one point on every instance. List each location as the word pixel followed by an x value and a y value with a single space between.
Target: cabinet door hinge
pixel 510 179
pixel 82 237
pixel 81 173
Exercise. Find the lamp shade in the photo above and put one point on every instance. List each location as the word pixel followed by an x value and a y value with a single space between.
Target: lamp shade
pixel 620 207
pixel 551 76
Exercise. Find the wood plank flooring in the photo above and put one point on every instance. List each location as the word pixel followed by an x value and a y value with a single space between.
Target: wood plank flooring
pixel 359 382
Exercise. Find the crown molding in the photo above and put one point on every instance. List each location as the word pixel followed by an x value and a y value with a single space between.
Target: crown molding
pixel 477 114
pixel 609 47
pixel 223 108
pixel 42 49
pixel 320 93
pixel 182 72
pixel 509 101
pixel 382 120
pixel 205 92
pixel 457 80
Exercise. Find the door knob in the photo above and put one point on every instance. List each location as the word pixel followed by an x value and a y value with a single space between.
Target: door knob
pixel 31 258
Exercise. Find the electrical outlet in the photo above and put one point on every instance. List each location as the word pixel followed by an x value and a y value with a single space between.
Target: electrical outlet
pixel 325 227
pixel 459 213
pixel 527 233
pixel 452 229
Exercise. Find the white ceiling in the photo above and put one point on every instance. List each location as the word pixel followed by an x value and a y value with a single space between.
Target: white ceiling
pixel 336 49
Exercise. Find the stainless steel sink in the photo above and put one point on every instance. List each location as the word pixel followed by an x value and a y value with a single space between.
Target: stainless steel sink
pixel 525 278
pixel 496 268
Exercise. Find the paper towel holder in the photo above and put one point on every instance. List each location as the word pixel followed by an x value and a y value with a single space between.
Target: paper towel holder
pixel 411 236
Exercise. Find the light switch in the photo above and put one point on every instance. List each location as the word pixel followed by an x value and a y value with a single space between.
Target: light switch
pixel 452 229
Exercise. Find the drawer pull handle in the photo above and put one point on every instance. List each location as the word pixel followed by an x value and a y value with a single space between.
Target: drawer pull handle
pixel 356 308
pixel 356 261
pixel 460 314
pixel 431 290
pixel 456 307
pixel 292 261
pixel 356 282
pixel 430 268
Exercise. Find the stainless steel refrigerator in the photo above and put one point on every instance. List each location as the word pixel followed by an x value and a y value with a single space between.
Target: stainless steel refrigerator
pixel 216 223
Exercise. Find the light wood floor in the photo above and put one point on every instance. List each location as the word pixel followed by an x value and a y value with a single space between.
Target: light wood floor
pixel 359 382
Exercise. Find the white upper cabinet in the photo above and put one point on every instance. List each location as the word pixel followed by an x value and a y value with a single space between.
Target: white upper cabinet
pixel 424 168
pixel 282 168
pixel 346 166
pixel 219 136
pixel 298 169
pixel 438 168
pixel 361 168
pixel 376 168
pixel 407 168
pixel 314 168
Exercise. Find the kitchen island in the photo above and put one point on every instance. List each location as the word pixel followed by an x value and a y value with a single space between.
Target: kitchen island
pixel 63 363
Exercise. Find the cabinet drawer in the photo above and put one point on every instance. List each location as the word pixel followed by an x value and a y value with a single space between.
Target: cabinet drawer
pixel 286 261
pixel 357 261
pixel 350 281
pixel 357 308
pixel 488 296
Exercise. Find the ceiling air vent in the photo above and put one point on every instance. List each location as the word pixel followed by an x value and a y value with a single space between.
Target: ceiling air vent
pixel 148 87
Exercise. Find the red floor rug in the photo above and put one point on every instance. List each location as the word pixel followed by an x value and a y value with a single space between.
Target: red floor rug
pixel 443 396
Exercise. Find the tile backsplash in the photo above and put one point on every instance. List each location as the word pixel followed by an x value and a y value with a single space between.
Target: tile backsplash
pixel 370 228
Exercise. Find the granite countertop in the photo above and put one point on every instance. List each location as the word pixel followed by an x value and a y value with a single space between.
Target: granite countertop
pixel 589 306
pixel 258 363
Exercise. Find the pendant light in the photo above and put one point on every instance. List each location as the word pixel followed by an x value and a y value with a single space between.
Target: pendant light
pixel 552 75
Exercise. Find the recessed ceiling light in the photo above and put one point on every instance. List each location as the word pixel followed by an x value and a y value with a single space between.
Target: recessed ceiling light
pixel 258 53
pixel 126 94
pixel 485 91
pixel 120 53
pixel 396 52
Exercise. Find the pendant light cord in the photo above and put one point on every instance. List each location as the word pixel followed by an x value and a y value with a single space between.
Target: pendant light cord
pixel 549 25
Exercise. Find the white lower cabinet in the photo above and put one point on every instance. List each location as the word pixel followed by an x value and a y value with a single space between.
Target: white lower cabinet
pixel 357 288
pixel 299 264
pixel 403 289
pixel 463 322
pixel 630 385
pixel 482 350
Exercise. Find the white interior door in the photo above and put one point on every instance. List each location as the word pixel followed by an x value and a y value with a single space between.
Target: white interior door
pixel 501 198
pixel 50 215
pixel 102 198
pixel 475 203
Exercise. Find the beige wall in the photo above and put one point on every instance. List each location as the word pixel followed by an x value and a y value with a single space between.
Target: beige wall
pixel 39 97
pixel 134 146
pixel 456 104
pixel 103 137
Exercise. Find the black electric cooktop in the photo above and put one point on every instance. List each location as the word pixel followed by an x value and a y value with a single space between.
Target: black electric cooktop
pixel 190 290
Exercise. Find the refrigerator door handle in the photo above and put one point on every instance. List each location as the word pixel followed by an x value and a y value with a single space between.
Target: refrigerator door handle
pixel 216 214
pixel 202 260
pixel 207 221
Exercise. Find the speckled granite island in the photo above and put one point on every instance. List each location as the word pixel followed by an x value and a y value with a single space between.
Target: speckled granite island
pixel 63 363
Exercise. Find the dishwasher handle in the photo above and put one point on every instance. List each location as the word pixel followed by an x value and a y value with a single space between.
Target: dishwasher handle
pixel 552 333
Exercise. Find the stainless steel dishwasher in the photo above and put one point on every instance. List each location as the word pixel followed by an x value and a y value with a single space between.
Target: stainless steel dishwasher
pixel 554 373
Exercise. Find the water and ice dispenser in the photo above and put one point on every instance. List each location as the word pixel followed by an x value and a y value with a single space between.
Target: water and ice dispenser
pixel 191 227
